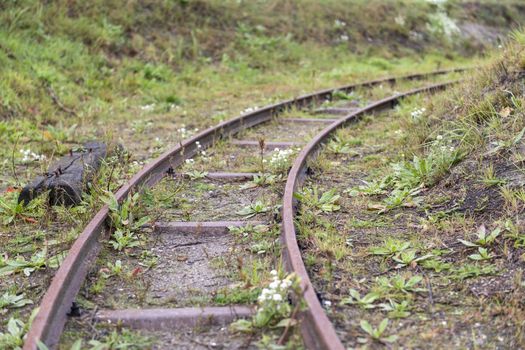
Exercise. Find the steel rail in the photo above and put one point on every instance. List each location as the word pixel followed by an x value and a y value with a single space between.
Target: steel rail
pixel 317 330
pixel 56 303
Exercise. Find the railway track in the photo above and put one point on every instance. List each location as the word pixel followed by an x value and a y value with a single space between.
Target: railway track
pixel 317 330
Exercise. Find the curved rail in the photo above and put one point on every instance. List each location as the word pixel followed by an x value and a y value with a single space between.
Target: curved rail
pixel 318 332
pixel 56 303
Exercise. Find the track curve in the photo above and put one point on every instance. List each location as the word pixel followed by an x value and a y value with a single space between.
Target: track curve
pixel 318 332
pixel 50 319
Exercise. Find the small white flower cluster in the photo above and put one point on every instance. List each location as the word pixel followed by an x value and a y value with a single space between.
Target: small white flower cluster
pixel 29 156
pixel 276 293
pixel 189 161
pixel 279 159
pixel 249 110
pixel 148 108
pixel 344 38
pixel 186 132
pixel 441 23
pixel 202 153
pixel 417 113
pixel 445 146
pixel 339 24
pixel 400 20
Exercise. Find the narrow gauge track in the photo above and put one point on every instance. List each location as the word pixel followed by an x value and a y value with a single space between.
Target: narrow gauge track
pixel 317 330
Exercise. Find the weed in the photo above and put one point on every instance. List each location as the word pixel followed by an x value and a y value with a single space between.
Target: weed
pixel 340 146
pixel 483 239
pixel 196 175
pixel 436 265
pixel 371 188
pixel 401 284
pixel 254 209
pixel 489 178
pixel 261 180
pixel 390 247
pixel 124 221
pixel 483 254
pixel 11 210
pixel 469 271
pixel 341 95
pixel 513 232
pixel 236 296
pixel 377 334
pixel 514 198
pixel 113 269
pixel 376 223
pixel 13 338
pixel 98 286
pixel 16 330
pixel 248 230
pixel 366 301
pixel 401 197
pixel 409 258
pixel 10 301
pixel 326 203
pixel 122 240
pixel 148 259
pixel 395 309
pixel 37 261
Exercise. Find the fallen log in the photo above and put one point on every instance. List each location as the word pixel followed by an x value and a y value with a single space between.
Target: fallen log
pixel 66 179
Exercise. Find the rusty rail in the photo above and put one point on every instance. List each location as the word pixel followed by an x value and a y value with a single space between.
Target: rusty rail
pixel 317 330
pixel 56 303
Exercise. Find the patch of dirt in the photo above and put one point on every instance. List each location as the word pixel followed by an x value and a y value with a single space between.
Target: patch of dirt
pixel 190 270
pixel 186 268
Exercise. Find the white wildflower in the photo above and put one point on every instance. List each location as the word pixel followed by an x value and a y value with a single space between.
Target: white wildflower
pixel 147 107
pixel 274 285
pixel 339 24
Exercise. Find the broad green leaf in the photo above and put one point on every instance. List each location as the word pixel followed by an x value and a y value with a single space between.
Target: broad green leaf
pixel 365 325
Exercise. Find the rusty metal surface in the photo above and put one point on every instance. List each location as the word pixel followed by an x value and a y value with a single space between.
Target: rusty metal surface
pixel 54 306
pixel 201 227
pixel 317 330
pixel 169 319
